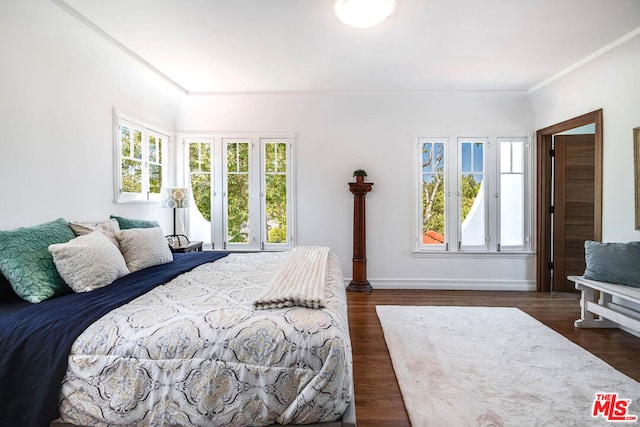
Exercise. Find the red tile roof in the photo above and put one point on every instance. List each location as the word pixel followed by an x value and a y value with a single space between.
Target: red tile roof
pixel 432 238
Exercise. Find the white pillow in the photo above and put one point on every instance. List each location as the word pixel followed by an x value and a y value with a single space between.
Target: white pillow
pixel 109 227
pixel 144 247
pixel 88 262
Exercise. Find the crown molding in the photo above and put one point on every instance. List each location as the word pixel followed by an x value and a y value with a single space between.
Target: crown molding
pixel 108 37
pixel 585 60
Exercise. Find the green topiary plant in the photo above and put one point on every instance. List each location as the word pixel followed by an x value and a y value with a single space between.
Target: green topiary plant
pixel 359 172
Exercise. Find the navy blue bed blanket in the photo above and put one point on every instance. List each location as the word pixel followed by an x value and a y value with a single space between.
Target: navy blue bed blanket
pixel 35 341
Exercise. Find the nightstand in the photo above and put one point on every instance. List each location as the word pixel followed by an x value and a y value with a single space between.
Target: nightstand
pixel 189 247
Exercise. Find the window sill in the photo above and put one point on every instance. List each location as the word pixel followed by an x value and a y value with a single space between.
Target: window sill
pixel 121 201
pixel 246 251
pixel 474 255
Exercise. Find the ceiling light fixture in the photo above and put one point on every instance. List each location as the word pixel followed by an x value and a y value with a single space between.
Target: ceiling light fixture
pixel 364 13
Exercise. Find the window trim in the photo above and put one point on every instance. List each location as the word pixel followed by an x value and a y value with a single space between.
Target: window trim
pixel 147 130
pixel 492 200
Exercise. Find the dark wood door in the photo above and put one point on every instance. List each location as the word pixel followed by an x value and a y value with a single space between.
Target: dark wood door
pixel 574 198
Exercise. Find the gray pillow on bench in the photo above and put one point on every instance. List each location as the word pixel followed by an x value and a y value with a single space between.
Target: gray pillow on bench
pixel 613 262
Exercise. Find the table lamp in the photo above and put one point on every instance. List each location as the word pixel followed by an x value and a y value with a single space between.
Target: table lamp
pixel 176 198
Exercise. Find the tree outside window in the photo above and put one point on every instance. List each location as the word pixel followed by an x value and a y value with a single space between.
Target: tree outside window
pixel 141 158
pixel 254 187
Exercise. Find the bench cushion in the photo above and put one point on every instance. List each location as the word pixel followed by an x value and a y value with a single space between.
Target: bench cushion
pixel 613 262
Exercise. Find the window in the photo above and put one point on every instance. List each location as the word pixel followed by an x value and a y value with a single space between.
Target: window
pixel 200 177
pixel 472 210
pixel 242 188
pixel 275 183
pixel 141 153
pixel 433 192
pixel 512 193
pixel 472 196
pixel 236 190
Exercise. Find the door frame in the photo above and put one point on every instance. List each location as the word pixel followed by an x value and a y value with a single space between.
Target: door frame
pixel 543 191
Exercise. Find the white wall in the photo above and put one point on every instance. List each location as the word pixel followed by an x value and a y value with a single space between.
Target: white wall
pixel 611 82
pixel 337 133
pixel 59 83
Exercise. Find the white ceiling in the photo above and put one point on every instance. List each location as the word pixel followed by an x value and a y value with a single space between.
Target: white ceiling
pixel 210 46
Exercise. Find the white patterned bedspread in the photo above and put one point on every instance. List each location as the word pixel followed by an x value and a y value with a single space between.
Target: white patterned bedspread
pixel 195 352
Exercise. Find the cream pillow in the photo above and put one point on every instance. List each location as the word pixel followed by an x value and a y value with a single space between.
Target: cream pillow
pixel 88 262
pixel 109 227
pixel 144 247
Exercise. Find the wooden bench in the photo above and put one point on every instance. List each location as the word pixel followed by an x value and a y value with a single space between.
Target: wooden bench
pixel 611 315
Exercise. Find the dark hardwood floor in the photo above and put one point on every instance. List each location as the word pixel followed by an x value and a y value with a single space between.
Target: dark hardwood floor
pixel 378 399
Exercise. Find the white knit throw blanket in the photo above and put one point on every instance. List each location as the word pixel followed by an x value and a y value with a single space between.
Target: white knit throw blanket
pixel 301 280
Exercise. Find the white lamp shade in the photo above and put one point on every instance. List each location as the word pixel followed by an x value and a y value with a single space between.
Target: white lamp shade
pixel 174 197
pixel 364 13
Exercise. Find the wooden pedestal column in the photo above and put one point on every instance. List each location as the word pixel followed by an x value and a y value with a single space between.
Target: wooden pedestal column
pixel 359 282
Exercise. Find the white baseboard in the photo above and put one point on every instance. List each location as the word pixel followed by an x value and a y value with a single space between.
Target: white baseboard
pixel 452 284
pixel 630 331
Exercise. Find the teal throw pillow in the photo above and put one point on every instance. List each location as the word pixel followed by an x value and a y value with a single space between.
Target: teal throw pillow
pixel 613 262
pixel 128 223
pixel 26 262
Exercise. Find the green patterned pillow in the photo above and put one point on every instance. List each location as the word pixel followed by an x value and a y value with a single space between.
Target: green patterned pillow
pixel 128 223
pixel 26 262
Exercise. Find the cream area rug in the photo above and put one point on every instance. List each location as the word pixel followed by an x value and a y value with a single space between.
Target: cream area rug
pixel 485 366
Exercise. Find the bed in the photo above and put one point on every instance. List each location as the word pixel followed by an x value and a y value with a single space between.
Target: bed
pixel 193 351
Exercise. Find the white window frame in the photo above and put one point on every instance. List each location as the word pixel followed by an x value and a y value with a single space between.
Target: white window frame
pixel 458 190
pixel 447 194
pixel 526 194
pixel 252 238
pixel 144 196
pixel 453 199
pixel 257 183
pixel 263 197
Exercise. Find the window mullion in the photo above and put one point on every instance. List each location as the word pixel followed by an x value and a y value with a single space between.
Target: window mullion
pixel 290 188
pixel 262 229
pixel 218 165
pixel 491 170
pixel 145 163
pixel 255 195
pixel 455 200
pixel 225 193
